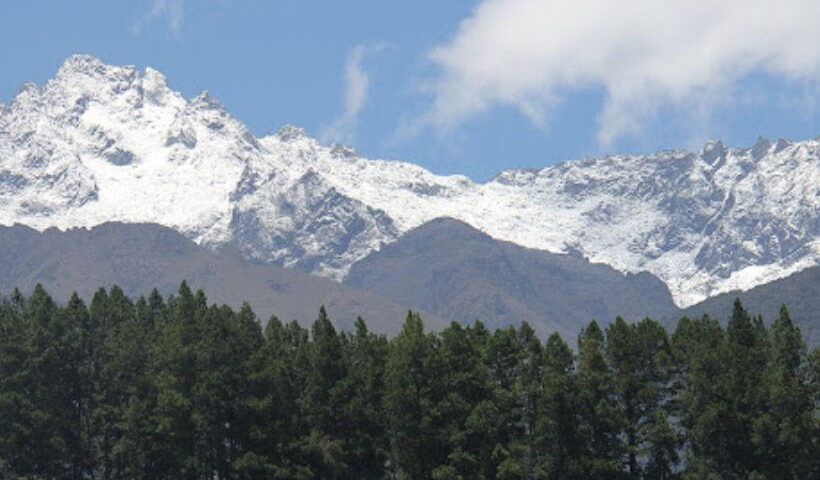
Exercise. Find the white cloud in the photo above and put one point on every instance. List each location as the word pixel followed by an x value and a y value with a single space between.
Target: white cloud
pixel 688 55
pixel 357 84
pixel 170 11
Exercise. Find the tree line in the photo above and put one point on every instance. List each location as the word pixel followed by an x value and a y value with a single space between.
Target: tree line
pixel 175 388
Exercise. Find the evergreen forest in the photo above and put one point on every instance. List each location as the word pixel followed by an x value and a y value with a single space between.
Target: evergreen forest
pixel 175 388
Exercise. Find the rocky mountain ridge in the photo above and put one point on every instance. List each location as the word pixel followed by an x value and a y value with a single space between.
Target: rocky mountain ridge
pixel 101 143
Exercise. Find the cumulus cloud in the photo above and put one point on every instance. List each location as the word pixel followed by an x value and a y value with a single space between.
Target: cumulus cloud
pixel 357 83
pixel 644 56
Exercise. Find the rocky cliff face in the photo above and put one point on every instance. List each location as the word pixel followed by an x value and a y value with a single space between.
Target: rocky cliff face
pixel 102 143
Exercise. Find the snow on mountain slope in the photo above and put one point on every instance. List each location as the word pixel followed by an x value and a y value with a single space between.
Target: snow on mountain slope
pixel 101 143
pixel 291 215
pixel 705 222
pixel 126 148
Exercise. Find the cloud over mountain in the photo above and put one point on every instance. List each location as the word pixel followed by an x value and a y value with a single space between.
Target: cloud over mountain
pixel 356 89
pixel 644 56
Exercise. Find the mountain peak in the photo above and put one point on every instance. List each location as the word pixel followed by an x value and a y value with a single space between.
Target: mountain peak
pixel 450 228
pixel 26 90
pixel 155 77
pixel 290 132
pixel 781 144
pixel 713 150
pixel 88 66
pixel 761 147
pixel 81 63
pixel 340 151
pixel 207 101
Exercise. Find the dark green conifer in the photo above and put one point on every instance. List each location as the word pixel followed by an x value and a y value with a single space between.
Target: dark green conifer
pixel 558 435
pixel 782 431
pixel 600 421
pixel 414 447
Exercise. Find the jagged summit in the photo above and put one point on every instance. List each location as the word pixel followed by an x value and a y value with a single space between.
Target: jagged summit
pixel 83 64
pixel 207 101
pixel 341 151
pixel 26 89
pixel 289 132
pixel 713 151
pixel 102 143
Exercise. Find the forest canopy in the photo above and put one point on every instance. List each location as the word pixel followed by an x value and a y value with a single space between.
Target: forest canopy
pixel 175 388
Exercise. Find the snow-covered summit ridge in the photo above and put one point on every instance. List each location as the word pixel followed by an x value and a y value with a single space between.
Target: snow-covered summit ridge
pixel 705 222
pixel 103 143
pixel 100 143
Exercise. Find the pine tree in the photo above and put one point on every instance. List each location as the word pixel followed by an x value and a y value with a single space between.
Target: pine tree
pixel 365 449
pixel 174 372
pixel 414 448
pixel 120 371
pixel 48 385
pixel 127 377
pixel 743 363
pixel 813 368
pixel 225 344
pixel 79 388
pixel 515 360
pixel 528 387
pixel 624 354
pixel 247 340
pixel 16 406
pixel 600 422
pixel 701 406
pixel 640 358
pixel 781 431
pixel 659 442
pixel 109 311
pixel 461 404
pixel 323 401
pixel 558 436
pixel 277 374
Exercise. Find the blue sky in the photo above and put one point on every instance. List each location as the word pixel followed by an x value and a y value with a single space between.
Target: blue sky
pixel 472 87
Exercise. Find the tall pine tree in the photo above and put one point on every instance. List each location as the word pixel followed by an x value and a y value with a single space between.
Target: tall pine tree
pixel 600 422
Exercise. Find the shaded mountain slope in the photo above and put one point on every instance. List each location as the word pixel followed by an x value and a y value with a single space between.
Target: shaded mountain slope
pixel 455 271
pixel 799 291
pixel 139 257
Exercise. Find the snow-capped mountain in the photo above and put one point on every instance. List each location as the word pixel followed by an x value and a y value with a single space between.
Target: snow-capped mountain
pixel 101 143
pixel 705 223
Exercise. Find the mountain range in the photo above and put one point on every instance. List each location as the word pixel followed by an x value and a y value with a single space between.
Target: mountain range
pixel 141 257
pixel 445 269
pixel 101 143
